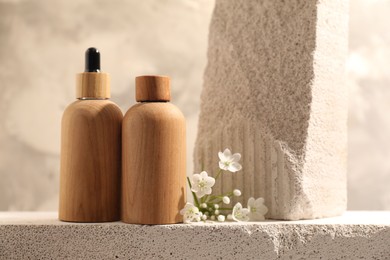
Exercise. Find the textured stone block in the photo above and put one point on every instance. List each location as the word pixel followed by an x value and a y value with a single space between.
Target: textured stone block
pixel 356 235
pixel 274 91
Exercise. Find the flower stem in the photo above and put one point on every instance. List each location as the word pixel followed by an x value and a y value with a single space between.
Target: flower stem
pixel 214 197
pixel 218 173
pixel 204 198
pixel 225 208
pixel 216 202
pixel 193 193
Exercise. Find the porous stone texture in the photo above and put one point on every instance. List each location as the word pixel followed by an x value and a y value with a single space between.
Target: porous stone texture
pixel 274 91
pixel 356 235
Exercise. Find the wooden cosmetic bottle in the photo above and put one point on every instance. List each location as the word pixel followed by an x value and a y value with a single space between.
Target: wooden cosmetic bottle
pixel 91 149
pixel 153 156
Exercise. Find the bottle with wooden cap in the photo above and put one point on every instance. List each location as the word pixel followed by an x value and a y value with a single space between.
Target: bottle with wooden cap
pixel 91 149
pixel 153 156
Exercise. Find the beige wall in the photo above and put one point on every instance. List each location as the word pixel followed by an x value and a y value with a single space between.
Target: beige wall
pixel 369 106
pixel 42 48
pixel 42 45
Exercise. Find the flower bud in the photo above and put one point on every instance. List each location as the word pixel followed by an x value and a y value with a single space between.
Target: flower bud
pixel 221 218
pixel 237 192
pixel 203 205
pixel 216 206
pixel 216 212
pixel 226 200
pixel 230 217
pixel 212 217
pixel 204 217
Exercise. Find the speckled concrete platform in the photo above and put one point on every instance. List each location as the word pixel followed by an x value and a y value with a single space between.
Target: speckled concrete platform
pixel 38 235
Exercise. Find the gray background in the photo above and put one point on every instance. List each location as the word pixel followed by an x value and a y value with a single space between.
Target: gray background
pixel 42 47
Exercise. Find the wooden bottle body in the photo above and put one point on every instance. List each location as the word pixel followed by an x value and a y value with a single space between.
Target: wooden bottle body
pixel 153 164
pixel 90 162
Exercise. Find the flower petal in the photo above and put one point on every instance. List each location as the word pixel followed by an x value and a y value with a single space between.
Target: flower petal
pixel 221 156
pixel 238 206
pixel 256 216
pixel 239 213
pixel 189 212
pixel 223 166
pixel 236 157
pixel 234 167
pixel 196 178
pixel 195 188
pixel 207 190
pixel 186 208
pixel 262 209
pixel 236 210
pixel 259 202
pixel 251 202
pixel 183 211
pixel 210 181
pixel 245 211
pixel 227 153
pixel 204 175
pixel 200 193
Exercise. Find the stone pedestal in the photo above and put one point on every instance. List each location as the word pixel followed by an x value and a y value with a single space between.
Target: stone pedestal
pixel 356 235
pixel 274 91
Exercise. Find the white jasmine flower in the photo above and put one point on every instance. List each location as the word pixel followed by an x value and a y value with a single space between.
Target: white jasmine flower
pixel 221 218
pixel 229 162
pixel 216 206
pixel 226 200
pixel 203 205
pixel 190 213
pixel 236 192
pixel 257 209
pixel 202 183
pixel 216 212
pixel 212 217
pixel 204 217
pixel 230 217
pixel 240 213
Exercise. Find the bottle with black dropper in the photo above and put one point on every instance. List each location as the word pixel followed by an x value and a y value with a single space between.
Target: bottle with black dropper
pixel 91 149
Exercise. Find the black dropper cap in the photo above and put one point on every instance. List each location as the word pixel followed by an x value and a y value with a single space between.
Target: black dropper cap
pixel 92 60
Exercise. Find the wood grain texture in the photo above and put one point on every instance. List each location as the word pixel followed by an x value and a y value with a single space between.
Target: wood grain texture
pixel 93 85
pixel 152 88
pixel 153 164
pixel 90 162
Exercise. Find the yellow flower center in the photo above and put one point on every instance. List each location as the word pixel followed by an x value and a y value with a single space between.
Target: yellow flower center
pixel 202 184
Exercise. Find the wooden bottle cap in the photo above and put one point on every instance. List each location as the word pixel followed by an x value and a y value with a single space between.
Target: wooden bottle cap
pixel 93 85
pixel 152 88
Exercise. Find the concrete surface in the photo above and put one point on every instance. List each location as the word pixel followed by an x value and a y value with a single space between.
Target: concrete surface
pixel 275 91
pixel 38 235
